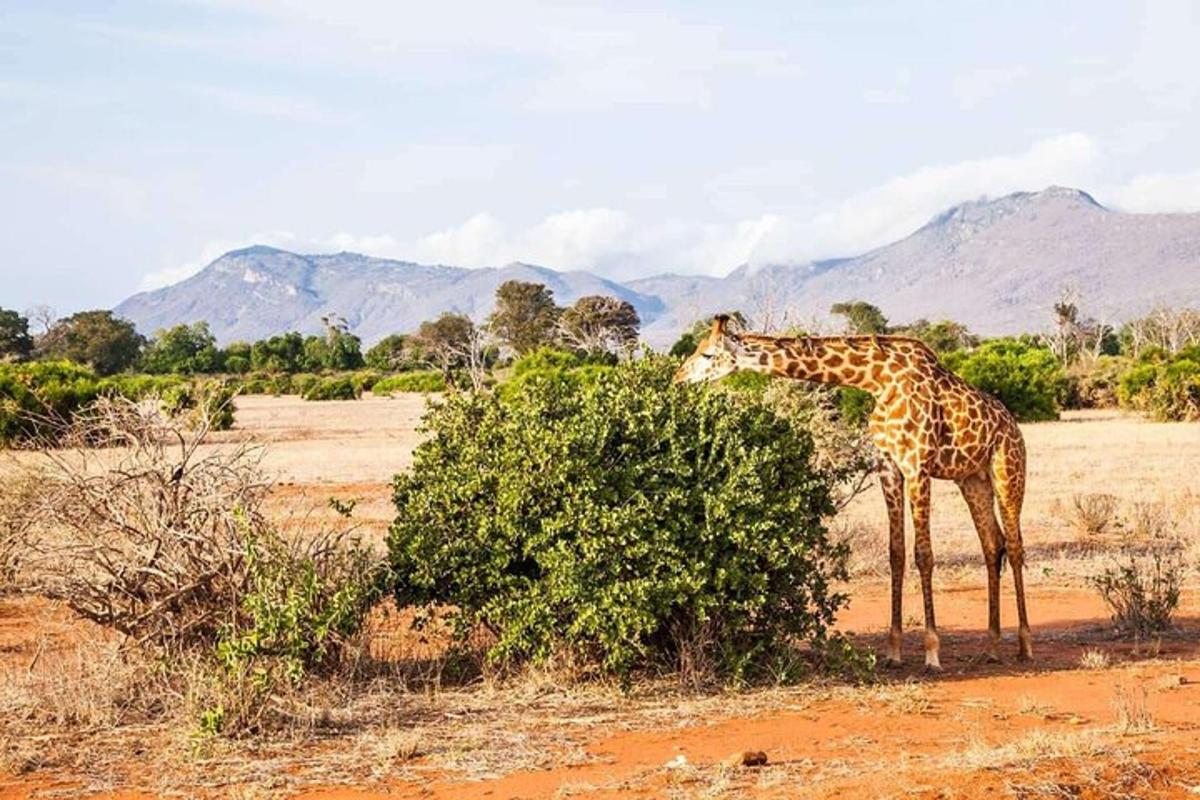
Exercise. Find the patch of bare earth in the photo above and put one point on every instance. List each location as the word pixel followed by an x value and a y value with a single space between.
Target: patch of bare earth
pixel 1093 716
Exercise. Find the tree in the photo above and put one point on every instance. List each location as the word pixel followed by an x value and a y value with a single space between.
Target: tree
pixel 43 316
pixel 394 353
pixel 600 324
pixel 15 342
pixel 525 317
pixel 100 339
pixel 862 318
pixel 283 353
pixel 946 336
pixel 344 349
pixel 453 342
pixel 184 349
pixel 236 357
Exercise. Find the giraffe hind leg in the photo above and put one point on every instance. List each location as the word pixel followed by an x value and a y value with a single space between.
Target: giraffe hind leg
pixel 1008 477
pixel 978 492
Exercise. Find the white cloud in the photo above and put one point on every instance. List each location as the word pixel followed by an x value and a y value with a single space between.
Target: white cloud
pixel 1158 193
pixel 974 88
pixel 614 243
pixel 899 206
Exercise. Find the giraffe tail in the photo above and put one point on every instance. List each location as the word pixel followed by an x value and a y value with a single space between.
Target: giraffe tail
pixel 1001 557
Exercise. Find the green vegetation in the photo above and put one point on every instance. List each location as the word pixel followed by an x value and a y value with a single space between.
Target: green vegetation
pixel 629 521
pixel 15 342
pixel 1021 374
pixel 410 382
pixel 337 387
pixel 98 339
pixel 1165 386
pixel 39 399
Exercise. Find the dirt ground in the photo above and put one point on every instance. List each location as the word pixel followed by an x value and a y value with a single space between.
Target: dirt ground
pixel 1091 716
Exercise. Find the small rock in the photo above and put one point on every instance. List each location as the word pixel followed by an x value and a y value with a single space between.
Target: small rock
pixel 746 758
pixel 678 762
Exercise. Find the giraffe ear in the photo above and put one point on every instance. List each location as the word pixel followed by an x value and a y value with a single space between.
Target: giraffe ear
pixel 720 321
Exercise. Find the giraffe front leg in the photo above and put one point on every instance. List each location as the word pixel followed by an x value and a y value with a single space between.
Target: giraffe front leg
pixel 892 483
pixel 918 500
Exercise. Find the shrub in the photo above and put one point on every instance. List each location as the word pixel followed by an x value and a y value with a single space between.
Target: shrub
pixel 164 541
pixel 301 383
pixel 410 382
pixel 624 520
pixel 39 399
pixel 1024 376
pixel 1094 384
pixel 1143 591
pixel 334 388
pixel 1166 387
pixel 1092 515
pixel 35 397
pixel 365 379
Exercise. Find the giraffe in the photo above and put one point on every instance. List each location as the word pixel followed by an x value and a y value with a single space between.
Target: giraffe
pixel 927 424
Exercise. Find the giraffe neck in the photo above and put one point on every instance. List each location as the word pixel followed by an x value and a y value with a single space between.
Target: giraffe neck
pixel 858 361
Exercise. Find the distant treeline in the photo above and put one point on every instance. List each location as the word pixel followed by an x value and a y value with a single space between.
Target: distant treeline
pixel 1149 364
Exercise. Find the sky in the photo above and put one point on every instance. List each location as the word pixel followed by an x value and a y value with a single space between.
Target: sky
pixel 140 140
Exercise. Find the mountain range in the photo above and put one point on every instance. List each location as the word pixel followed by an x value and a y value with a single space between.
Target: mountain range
pixel 997 265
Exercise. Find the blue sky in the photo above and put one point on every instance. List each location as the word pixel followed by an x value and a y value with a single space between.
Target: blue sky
pixel 139 140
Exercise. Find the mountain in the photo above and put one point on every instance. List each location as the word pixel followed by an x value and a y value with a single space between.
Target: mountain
pixel 260 291
pixel 997 265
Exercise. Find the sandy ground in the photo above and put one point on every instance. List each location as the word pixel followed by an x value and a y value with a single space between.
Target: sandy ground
pixel 1091 716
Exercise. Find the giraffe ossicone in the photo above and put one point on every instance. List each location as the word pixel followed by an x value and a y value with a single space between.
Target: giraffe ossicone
pixel 928 424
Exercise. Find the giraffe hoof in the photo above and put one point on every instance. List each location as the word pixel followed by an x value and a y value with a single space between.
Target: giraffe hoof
pixel 991 658
pixel 892 662
pixel 933 669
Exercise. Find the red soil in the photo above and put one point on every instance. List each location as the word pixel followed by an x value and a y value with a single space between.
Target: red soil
pixel 859 744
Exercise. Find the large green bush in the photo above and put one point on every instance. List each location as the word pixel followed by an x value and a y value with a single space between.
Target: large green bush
pixel 1022 375
pixel 410 382
pixel 337 387
pixel 1166 387
pixel 626 520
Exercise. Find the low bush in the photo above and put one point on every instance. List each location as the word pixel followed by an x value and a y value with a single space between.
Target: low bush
pixel 339 387
pixel 625 521
pixel 1166 387
pixel 1024 376
pixel 1142 591
pixel 38 400
pixel 410 382
pixel 302 383
pixel 1095 383
pixel 365 379
pixel 165 542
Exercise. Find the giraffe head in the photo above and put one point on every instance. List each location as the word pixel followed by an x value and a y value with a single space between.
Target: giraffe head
pixel 715 356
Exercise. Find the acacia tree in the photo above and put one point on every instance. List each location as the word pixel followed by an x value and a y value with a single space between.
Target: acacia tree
pixel 600 324
pixel 100 339
pixel 15 341
pixel 862 318
pixel 525 317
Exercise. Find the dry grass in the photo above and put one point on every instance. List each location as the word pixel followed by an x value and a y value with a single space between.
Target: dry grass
pixel 1092 515
pixel 1131 705
pixel 1094 659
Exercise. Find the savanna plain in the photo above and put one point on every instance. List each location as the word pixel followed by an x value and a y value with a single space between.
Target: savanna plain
pixel 1093 715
